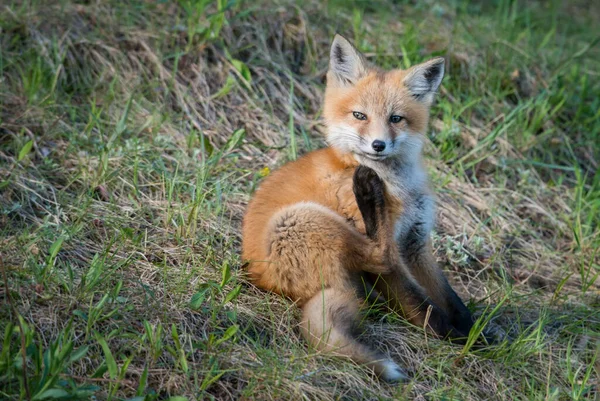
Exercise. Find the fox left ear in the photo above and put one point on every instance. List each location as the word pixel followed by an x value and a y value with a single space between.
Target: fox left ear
pixel 423 80
pixel 346 64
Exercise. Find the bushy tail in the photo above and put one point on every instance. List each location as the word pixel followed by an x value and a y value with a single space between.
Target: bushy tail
pixel 327 324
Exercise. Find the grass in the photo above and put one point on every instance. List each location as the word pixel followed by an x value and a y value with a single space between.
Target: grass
pixel 132 135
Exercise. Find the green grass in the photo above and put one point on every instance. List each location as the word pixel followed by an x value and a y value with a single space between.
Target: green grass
pixel 132 135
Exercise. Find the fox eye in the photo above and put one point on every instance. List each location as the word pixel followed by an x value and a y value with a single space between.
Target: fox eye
pixel 396 119
pixel 358 115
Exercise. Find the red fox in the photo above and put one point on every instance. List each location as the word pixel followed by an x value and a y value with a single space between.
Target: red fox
pixel 358 214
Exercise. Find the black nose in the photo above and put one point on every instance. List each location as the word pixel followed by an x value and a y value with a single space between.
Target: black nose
pixel 378 146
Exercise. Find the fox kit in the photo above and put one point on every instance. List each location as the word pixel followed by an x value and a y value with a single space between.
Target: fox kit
pixel 356 212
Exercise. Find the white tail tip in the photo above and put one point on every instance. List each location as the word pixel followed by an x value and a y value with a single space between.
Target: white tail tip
pixel 391 372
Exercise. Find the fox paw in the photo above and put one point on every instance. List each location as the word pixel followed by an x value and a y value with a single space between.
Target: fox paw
pixel 439 322
pixel 369 192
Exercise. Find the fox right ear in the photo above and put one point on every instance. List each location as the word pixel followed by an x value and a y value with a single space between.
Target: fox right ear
pixel 423 80
pixel 346 64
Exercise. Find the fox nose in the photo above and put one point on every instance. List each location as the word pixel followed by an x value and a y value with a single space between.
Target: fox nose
pixel 378 146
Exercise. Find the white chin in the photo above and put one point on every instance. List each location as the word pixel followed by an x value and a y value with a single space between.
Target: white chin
pixel 360 157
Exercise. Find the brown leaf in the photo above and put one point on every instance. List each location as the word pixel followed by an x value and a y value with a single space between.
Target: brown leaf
pixel 102 193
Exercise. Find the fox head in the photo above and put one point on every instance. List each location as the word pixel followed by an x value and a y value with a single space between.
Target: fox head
pixel 377 115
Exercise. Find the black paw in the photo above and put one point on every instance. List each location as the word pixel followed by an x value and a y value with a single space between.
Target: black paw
pixel 463 321
pixel 369 192
pixel 490 335
pixel 440 323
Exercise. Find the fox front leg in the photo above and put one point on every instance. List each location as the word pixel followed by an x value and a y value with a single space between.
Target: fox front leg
pixel 398 286
pixel 417 252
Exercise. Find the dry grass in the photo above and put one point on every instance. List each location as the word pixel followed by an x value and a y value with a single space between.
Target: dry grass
pixel 132 135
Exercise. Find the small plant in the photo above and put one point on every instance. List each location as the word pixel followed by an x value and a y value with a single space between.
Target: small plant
pixel 204 25
pixel 38 372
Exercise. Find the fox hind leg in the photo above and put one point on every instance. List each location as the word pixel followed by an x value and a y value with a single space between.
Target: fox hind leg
pixel 311 247
pixel 317 258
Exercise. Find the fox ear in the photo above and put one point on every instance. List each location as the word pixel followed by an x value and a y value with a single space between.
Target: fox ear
pixel 346 64
pixel 423 80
